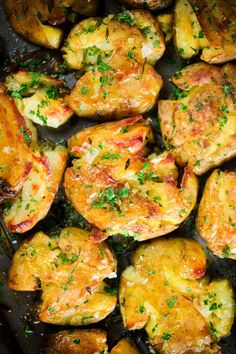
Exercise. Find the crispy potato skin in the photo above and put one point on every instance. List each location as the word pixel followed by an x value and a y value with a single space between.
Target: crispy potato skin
pixel 151 5
pixel 208 26
pixel 119 190
pixel 15 156
pixel 200 128
pixel 83 7
pixel 165 287
pixel 70 272
pixel 26 19
pixel 34 200
pixel 216 214
pixel 87 341
pixel 39 98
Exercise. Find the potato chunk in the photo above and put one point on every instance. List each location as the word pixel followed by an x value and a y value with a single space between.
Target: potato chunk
pixel 199 128
pixel 82 341
pixel 83 7
pixel 34 200
pixel 130 33
pixel 89 341
pixel 121 190
pixel 70 271
pixel 165 288
pixel 216 214
pixel 151 5
pixel 132 89
pixel 27 18
pixel 39 98
pixel 15 156
pixel 207 25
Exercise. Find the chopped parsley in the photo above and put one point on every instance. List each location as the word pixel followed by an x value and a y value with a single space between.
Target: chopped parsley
pixel 172 301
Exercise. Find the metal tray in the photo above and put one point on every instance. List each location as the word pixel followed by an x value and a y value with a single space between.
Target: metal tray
pixel 20 330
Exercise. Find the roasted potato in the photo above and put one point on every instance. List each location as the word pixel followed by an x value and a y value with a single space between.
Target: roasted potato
pixel 27 18
pixel 120 188
pixel 199 127
pixel 80 341
pixel 217 214
pixel 112 94
pixel 89 341
pixel 95 41
pixel 165 21
pixel 15 156
pixel 166 292
pixel 206 25
pixel 39 98
pixel 83 7
pixel 70 271
pixel 151 5
pixel 34 200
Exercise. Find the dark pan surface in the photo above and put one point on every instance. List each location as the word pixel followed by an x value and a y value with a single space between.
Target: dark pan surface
pixel 20 330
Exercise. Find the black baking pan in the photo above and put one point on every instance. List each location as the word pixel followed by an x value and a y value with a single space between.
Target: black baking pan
pixel 20 330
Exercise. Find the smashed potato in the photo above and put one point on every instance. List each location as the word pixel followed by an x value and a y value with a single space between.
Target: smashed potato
pixel 199 127
pixel 112 94
pixel 180 310
pixel 27 19
pixel 70 271
pixel 94 41
pixel 121 189
pixel 39 98
pixel 217 214
pixel 35 198
pixel 151 5
pixel 83 7
pixel 207 25
pixel 89 341
pixel 15 156
pixel 114 52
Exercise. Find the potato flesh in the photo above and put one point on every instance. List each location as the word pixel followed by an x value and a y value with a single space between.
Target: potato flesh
pixel 208 25
pixel 15 156
pixel 221 239
pixel 199 129
pixel 149 299
pixel 125 346
pixel 38 98
pixel 165 21
pixel 25 19
pixel 34 200
pixel 118 190
pixel 70 271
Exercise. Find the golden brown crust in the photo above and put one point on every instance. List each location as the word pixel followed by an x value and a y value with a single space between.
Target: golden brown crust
pixel 165 287
pixel 216 214
pixel 125 346
pixel 80 341
pixel 15 157
pixel 199 128
pixel 119 190
pixel 70 272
